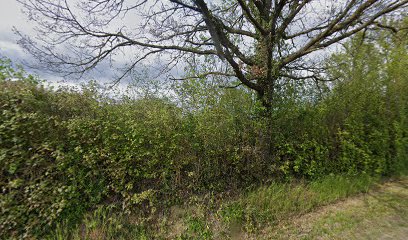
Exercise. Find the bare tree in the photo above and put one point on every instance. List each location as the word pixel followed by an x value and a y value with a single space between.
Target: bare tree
pixel 259 42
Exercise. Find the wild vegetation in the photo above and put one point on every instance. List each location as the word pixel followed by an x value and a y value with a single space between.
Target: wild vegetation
pixel 65 153
pixel 380 214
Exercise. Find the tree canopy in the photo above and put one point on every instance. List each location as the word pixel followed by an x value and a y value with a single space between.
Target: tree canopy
pixel 259 42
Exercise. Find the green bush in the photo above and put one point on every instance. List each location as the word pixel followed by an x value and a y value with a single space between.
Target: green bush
pixel 63 152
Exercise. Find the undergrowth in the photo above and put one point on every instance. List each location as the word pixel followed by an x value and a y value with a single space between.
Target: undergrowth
pixel 248 213
pixel 64 152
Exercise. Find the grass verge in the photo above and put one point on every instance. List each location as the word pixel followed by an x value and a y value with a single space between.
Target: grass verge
pixel 279 201
pixel 380 214
pixel 247 215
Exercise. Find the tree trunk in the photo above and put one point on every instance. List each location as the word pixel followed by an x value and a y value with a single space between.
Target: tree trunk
pixel 266 138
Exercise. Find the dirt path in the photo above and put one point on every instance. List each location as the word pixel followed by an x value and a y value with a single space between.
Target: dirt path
pixel 380 214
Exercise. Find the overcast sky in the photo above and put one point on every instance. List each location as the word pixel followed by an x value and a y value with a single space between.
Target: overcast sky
pixel 11 16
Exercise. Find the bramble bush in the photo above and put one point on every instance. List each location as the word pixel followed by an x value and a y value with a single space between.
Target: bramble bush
pixel 62 151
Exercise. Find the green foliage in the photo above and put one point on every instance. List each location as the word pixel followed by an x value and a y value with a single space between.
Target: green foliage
pixel 278 201
pixel 369 110
pixel 102 223
pixel 197 228
pixel 63 152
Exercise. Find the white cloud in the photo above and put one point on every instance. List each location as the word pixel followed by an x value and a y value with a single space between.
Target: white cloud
pixel 11 16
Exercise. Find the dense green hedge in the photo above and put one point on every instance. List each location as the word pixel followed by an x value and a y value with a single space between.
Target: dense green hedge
pixel 62 152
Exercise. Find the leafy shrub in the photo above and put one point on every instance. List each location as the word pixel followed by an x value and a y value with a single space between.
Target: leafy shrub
pixel 63 152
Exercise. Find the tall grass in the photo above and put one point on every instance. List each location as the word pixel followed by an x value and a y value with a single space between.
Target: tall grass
pixel 102 223
pixel 278 201
pixel 248 213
